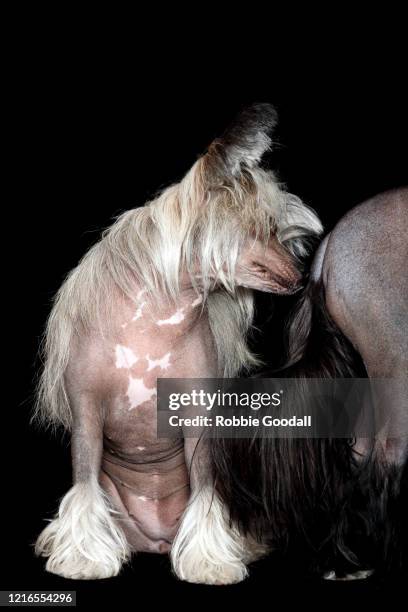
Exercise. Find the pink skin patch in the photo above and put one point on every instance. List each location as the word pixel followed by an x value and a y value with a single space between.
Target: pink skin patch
pixel 163 363
pixel 138 313
pixel 126 361
pixel 140 364
pixel 138 393
pixel 175 319
pixel 125 357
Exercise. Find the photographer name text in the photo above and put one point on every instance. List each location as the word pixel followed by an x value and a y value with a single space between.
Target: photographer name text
pixel 239 421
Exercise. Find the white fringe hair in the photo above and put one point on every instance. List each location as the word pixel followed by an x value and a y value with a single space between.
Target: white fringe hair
pixel 197 225
pixel 207 548
pixel 84 540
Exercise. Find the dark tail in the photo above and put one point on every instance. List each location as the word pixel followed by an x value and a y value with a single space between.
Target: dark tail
pixel 316 346
pixel 313 498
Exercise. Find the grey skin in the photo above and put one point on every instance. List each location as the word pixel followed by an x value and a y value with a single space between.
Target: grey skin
pixel 363 264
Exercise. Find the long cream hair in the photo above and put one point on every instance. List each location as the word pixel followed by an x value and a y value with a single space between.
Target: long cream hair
pixel 197 225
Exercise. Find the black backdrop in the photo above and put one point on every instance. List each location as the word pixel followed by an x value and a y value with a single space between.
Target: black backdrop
pixel 91 142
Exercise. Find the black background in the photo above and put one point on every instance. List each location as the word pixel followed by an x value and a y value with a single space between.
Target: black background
pixel 92 138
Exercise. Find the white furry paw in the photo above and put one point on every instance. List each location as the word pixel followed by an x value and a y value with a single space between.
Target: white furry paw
pixel 83 542
pixel 360 575
pixel 203 571
pixel 206 549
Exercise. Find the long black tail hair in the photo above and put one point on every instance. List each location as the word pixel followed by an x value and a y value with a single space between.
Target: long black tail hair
pixel 315 499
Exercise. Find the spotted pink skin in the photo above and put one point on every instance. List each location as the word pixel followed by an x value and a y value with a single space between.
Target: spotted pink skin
pixel 111 381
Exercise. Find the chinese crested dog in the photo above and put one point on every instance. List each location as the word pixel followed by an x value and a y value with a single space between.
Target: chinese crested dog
pixel 166 292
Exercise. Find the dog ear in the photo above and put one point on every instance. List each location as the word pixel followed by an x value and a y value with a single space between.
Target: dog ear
pixel 244 142
pixel 268 268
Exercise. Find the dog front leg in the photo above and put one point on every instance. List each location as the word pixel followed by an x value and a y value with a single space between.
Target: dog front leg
pixel 207 548
pixel 84 540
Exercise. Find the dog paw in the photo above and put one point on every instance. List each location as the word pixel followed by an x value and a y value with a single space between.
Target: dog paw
pixel 80 568
pixel 205 572
pixel 360 575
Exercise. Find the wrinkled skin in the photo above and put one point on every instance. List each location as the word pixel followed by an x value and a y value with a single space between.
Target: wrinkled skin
pixel 111 382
